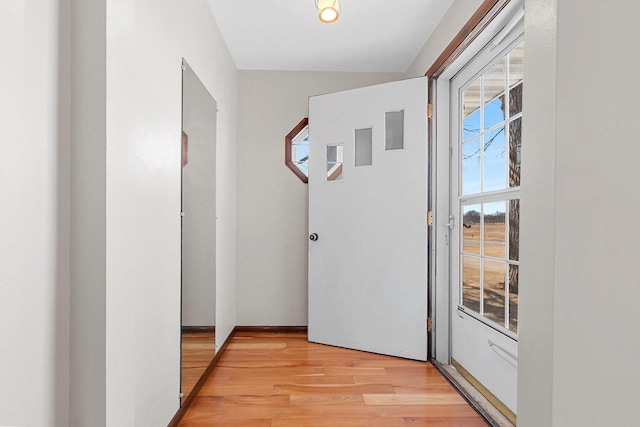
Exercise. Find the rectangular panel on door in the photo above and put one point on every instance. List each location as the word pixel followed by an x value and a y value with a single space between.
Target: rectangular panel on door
pixel 367 205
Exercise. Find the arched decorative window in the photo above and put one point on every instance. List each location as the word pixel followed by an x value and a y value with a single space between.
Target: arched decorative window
pixel 296 155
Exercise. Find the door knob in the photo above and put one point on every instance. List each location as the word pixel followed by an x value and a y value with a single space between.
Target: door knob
pixel 313 237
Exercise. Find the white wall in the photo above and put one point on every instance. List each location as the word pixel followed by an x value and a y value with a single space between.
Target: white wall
pixel 458 14
pixel 34 220
pixel 537 218
pixel 272 201
pixel 579 199
pixel 146 42
pixel 199 204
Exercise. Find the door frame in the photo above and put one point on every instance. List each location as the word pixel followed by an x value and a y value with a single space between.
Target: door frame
pixel 492 17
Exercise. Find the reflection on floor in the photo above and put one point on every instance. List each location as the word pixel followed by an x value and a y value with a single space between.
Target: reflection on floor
pixel 197 351
pixel 282 380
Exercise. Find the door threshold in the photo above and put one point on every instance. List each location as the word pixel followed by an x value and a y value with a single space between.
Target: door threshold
pixel 480 403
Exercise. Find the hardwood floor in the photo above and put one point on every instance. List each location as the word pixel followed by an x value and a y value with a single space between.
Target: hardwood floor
pixel 281 380
pixel 198 349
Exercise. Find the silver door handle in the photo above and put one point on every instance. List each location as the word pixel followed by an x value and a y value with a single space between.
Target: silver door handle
pixel 450 224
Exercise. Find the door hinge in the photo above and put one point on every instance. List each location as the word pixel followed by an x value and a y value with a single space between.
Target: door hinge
pixel 429 111
pixel 429 324
pixel 429 218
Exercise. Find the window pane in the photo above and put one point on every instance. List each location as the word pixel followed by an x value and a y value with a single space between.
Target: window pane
pixel 515 99
pixel 301 151
pixel 515 151
pixel 471 167
pixel 471 111
pixel 303 166
pixel 394 130
pixel 364 147
pixel 494 291
pixel 471 229
pixel 300 155
pixel 513 297
pixel 516 68
pixel 495 81
pixel 334 162
pixel 494 229
pixel 514 230
pixel 332 154
pixel 471 283
pixel 494 161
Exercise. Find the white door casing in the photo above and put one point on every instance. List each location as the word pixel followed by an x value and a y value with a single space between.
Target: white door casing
pixel 368 266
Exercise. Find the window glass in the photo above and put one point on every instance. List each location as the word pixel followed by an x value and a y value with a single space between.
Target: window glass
pixel 471 229
pixel 364 147
pixel 471 110
pixel 471 153
pixel 394 130
pixel 334 162
pixel 494 228
pixel 493 299
pixel 495 81
pixel 300 153
pixel 471 282
pixel 494 161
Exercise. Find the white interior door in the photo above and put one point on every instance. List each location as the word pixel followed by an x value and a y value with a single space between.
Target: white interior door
pixel 486 117
pixel 367 219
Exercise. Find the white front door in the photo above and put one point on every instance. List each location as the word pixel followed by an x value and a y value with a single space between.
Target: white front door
pixel 486 117
pixel 367 219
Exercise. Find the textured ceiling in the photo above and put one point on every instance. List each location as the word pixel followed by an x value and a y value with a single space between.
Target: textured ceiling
pixel 371 35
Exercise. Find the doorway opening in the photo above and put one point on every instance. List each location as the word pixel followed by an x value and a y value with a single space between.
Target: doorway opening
pixel 476 143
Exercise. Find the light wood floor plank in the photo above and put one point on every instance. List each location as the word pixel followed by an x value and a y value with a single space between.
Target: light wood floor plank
pixel 331 389
pixel 257 346
pixel 325 399
pixel 347 370
pixel 427 388
pixel 236 390
pixel 446 422
pixel 268 372
pixel 436 398
pixel 332 380
pixel 393 363
pixel 213 408
pixel 226 422
pixel 340 422
pixel 402 380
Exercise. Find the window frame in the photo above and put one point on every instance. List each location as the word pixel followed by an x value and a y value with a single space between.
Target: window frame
pixel 288 148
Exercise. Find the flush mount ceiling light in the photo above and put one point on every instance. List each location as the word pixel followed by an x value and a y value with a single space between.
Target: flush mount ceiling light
pixel 329 10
